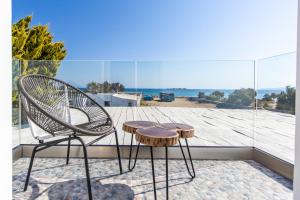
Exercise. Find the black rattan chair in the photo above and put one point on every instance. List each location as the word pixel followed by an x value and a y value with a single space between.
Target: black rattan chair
pixel 47 103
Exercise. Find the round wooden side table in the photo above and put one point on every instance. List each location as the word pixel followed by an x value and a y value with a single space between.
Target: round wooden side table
pixel 131 127
pixel 157 137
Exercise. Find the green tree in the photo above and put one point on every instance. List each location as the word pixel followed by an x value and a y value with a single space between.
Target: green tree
pixel 216 96
pixel 117 87
pixel 267 97
pixel 270 97
pixel 35 50
pixel 92 87
pixel 286 100
pixel 274 95
pixel 105 87
pixel 242 97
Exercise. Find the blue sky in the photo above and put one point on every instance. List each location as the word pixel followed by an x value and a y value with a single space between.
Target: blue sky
pixel 170 30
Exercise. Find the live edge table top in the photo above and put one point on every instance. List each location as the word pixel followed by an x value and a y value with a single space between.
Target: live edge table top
pixel 132 126
pixel 155 134
pixel 184 130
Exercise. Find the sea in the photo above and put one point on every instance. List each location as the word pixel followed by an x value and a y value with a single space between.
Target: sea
pixel 182 92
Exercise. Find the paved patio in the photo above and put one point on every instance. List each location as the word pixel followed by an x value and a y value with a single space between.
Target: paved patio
pixel 215 180
pixel 274 131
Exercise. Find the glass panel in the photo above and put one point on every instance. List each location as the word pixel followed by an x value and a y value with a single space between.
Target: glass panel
pixel 15 104
pixel 121 96
pixel 275 116
pixel 84 75
pixel 216 97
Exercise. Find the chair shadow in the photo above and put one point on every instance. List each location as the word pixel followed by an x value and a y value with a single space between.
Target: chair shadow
pixel 33 184
pixel 77 189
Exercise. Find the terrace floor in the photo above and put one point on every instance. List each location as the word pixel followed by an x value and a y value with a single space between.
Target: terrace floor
pixel 274 131
pixel 221 180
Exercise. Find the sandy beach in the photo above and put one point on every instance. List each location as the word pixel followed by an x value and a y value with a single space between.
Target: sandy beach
pixel 179 102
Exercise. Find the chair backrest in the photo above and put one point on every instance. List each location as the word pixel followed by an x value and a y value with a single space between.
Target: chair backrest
pixel 47 103
pixel 43 97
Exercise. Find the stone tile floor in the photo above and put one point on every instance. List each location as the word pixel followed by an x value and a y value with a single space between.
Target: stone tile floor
pixel 52 179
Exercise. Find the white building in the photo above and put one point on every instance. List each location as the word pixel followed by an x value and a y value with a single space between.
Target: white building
pixel 117 99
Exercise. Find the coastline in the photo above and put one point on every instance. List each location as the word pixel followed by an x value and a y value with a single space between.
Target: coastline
pixel 183 92
pixel 179 102
pixel 194 92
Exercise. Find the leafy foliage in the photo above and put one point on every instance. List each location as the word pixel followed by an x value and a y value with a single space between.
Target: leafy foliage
pixel 267 97
pixel 286 100
pixel 105 87
pixel 242 97
pixel 270 97
pixel 36 43
pixel 216 96
pixel 35 49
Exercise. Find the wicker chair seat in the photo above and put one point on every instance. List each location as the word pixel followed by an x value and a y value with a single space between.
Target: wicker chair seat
pixel 96 126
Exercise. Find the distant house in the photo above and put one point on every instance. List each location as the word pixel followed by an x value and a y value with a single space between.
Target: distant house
pixel 116 99
pixel 166 97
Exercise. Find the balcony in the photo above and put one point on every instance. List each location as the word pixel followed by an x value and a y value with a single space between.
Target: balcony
pixel 239 135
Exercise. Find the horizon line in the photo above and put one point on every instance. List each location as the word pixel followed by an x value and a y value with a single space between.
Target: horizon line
pixel 276 88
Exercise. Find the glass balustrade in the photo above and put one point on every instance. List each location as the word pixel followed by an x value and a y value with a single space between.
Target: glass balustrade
pixel 232 103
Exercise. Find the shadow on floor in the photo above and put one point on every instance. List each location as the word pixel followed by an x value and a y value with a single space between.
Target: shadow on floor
pixel 275 176
pixel 77 189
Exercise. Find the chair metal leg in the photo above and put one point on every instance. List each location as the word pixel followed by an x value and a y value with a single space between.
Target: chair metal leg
pixel 68 151
pixel 118 151
pixel 167 175
pixel 46 145
pixel 136 154
pixel 86 168
pixel 30 167
pixel 192 174
pixel 153 173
